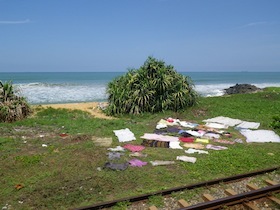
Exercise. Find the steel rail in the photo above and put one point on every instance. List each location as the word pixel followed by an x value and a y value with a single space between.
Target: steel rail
pixel 142 197
pixel 235 199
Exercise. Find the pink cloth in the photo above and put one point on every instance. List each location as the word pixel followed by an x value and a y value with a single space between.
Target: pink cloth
pixel 134 148
pixel 152 136
pixel 137 163
pixel 224 141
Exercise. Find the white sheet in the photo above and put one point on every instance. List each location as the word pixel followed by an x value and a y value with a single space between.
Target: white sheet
pixel 186 158
pixel 224 120
pixel 124 135
pixel 175 145
pixel 216 125
pixel 260 136
pixel 248 125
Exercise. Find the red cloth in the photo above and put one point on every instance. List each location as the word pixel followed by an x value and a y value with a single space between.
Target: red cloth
pixel 134 148
pixel 170 120
pixel 186 139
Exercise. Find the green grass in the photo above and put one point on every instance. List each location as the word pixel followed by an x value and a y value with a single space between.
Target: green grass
pixel 65 174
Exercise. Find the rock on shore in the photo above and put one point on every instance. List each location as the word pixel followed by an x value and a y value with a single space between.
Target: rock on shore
pixel 242 88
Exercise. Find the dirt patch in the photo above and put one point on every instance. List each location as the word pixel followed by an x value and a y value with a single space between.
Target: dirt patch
pixel 103 142
pixel 199 112
pixel 80 138
pixel 94 108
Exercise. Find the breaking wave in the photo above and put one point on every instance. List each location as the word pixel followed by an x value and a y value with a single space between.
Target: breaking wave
pixel 48 93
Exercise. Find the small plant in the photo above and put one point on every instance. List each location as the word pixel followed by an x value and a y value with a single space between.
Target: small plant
pixel 121 205
pixel 12 106
pixel 156 200
pixel 276 122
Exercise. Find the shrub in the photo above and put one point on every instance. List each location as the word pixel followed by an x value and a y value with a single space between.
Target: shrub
pixel 154 87
pixel 12 107
pixel 275 124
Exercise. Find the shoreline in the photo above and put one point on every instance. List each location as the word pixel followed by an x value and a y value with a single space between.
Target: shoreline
pixel 94 108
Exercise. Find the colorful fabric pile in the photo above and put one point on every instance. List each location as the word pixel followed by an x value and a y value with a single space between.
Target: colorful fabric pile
pixel 172 133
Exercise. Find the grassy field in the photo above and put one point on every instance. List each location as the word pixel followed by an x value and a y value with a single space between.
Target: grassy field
pixel 69 172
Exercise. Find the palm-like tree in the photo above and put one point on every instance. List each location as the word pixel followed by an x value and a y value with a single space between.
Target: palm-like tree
pixel 154 87
pixel 12 107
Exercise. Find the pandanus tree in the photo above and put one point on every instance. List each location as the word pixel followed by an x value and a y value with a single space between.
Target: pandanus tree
pixel 12 106
pixel 154 87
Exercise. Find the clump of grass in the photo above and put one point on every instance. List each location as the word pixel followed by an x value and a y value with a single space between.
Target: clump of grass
pixel 29 160
pixel 156 200
pixel 275 124
pixel 121 205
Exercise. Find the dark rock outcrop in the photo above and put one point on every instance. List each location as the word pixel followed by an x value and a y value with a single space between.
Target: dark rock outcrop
pixel 242 88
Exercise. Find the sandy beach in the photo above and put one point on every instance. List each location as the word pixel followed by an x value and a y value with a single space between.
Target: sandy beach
pixel 92 107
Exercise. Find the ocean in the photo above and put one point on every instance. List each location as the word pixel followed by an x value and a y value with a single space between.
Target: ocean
pixel 72 87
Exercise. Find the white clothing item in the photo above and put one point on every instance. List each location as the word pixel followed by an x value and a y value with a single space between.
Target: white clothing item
pixel 153 136
pixel 124 135
pixel 187 124
pixel 162 162
pixel 224 120
pixel 186 159
pixel 260 136
pixel 216 125
pixel 249 125
pixel 117 149
pixel 212 135
pixel 195 133
pixel 160 126
pixel 175 145
pixel 199 151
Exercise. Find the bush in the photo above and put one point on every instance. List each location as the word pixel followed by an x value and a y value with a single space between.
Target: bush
pixel 154 87
pixel 275 124
pixel 12 107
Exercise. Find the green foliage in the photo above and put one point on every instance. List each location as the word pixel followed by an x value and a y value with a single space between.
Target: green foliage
pixel 154 87
pixel 29 160
pixel 276 122
pixel 121 205
pixel 12 107
pixel 156 200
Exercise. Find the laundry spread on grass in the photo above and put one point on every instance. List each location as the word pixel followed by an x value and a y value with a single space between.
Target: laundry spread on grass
pixel 137 163
pixel 134 148
pixel 124 135
pixel 193 139
pixel 227 121
pixel 162 162
pixel 260 135
pixel 199 151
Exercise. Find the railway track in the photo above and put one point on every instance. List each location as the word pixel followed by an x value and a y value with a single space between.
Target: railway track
pixel 250 199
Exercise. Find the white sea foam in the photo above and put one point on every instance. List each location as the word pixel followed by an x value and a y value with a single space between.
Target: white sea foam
pixel 42 93
pixel 45 93
pixel 209 90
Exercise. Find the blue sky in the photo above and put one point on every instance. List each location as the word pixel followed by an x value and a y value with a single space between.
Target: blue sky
pixel 114 35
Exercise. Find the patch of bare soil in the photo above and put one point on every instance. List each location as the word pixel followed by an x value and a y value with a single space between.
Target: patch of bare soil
pixel 94 108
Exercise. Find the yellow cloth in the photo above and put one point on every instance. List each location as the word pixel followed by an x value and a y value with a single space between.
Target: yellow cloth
pixel 204 141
